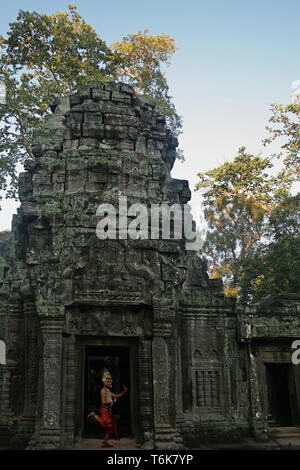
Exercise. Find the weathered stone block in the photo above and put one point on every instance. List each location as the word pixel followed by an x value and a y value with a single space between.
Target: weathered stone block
pixel 146 102
pixel 64 106
pixel 37 150
pixel 132 133
pixel 126 144
pixel 25 186
pixel 90 106
pixel 120 98
pixel 97 177
pixel 115 164
pixel 54 121
pixel 141 145
pixel 154 154
pixel 68 134
pixel 112 86
pixel 86 142
pixel 115 132
pixel 70 145
pixel 113 119
pixel 94 187
pixel 58 177
pixel 112 108
pixel 101 95
pixel 75 180
pixel 85 94
pixel 75 163
pixel 75 100
pixel 92 117
pixel 92 130
pixel 58 187
pixel 107 144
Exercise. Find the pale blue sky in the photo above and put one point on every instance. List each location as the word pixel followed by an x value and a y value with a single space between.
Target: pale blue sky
pixel 234 59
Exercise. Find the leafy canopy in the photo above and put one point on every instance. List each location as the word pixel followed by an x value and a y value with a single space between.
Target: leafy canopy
pixel 285 126
pixel 138 60
pixel 275 267
pixel 241 199
pixel 46 55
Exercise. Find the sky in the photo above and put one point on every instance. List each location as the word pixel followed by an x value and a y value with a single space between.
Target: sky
pixel 234 59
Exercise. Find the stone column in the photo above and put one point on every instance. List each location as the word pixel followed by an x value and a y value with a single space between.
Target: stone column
pixel 26 424
pixel 5 412
pixel 50 426
pixel 12 373
pixel 15 353
pixel 166 434
pixel 69 390
pixel 146 394
pixel 258 424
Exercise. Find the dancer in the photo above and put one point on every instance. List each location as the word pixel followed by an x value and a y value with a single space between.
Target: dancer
pixel 108 399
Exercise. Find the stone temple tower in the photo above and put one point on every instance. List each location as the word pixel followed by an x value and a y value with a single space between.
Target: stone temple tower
pixel 72 303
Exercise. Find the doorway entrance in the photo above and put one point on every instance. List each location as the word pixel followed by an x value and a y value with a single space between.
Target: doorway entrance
pixel 120 359
pixel 280 387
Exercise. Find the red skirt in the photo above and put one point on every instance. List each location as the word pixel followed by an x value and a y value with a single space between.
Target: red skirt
pixel 107 422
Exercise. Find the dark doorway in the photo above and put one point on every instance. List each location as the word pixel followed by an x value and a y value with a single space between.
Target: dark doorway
pixel 279 385
pixel 116 360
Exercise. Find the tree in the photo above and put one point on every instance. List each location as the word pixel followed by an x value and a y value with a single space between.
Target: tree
pixel 41 57
pixel 139 57
pixel 240 198
pixel 44 56
pixel 274 267
pixel 287 121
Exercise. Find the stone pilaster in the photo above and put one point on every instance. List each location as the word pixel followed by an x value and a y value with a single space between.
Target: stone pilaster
pixel 26 424
pixel 69 390
pixel 50 425
pixel 166 434
pixel 259 427
pixel 5 411
pixel 15 353
pixel 146 394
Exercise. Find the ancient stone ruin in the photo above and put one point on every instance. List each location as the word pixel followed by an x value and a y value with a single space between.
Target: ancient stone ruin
pixel 198 367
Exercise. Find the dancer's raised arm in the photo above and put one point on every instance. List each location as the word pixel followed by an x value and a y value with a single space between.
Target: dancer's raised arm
pixel 119 395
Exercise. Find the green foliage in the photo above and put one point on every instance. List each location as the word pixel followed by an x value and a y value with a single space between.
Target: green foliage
pixel 41 57
pixel 44 56
pixel 286 121
pixel 271 269
pixel 140 57
pixel 245 206
pixel 138 60
pixel 275 267
pixel 247 180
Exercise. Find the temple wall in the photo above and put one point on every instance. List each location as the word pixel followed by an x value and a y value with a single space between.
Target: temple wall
pixel 64 288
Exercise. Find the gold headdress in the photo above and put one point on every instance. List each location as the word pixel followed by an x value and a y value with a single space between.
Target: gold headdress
pixel 106 376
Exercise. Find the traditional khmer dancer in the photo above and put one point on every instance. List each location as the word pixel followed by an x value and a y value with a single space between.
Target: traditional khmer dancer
pixel 108 399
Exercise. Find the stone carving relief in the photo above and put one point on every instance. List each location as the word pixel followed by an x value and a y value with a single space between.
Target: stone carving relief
pixel 109 322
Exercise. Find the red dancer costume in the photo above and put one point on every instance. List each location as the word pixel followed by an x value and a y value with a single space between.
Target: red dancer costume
pixel 106 419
